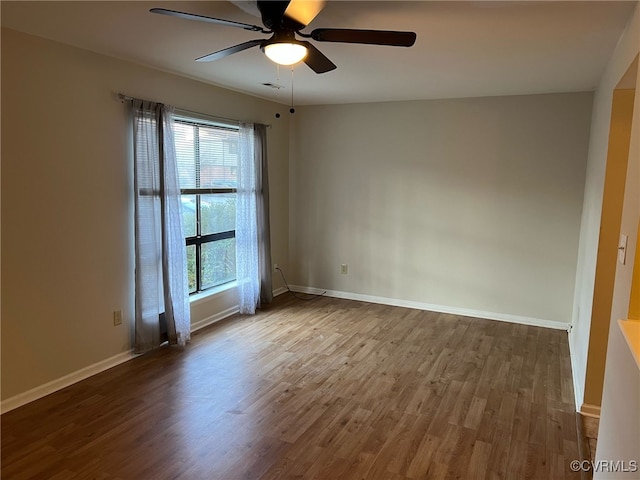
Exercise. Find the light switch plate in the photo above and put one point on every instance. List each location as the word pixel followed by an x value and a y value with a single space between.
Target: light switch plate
pixel 622 249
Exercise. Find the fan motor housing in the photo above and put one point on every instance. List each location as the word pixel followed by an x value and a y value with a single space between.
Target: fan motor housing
pixel 273 16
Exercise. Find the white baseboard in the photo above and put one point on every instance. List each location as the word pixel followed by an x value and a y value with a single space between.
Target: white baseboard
pixel 62 382
pixel 578 384
pixel 86 372
pixel 205 322
pixel 503 317
pixel 279 291
pixel 74 377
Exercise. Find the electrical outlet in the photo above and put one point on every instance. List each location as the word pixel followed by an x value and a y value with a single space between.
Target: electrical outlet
pixel 275 267
pixel 344 269
pixel 117 317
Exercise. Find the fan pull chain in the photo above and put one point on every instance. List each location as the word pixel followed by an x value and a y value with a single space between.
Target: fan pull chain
pixel 278 84
pixel 292 110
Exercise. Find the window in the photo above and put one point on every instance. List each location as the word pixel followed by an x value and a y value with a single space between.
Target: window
pixel 207 157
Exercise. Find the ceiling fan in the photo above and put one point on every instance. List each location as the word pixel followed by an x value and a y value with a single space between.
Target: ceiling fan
pixel 283 20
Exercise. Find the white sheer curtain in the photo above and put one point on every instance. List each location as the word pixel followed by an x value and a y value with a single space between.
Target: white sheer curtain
pixel 253 258
pixel 161 277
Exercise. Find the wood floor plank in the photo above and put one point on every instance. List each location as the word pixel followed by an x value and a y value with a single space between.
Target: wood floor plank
pixel 322 389
pixel 479 461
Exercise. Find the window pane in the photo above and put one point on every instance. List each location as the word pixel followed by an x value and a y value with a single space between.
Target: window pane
pixel 185 136
pixel 218 262
pixel 218 213
pixel 189 215
pixel 218 157
pixel 191 267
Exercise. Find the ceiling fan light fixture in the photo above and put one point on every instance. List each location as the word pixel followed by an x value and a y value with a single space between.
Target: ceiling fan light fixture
pixel 284 22
pixel 285 53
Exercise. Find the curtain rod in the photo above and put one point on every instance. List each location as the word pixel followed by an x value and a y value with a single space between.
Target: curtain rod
pixel 126 98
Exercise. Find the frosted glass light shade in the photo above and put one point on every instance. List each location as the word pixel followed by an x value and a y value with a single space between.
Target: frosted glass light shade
pixel 285 53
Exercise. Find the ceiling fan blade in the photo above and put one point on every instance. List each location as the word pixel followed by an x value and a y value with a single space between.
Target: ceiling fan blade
pixel 372 37
pixel 229 51
pixel 304 11
pixel 316 60
pixel 202 18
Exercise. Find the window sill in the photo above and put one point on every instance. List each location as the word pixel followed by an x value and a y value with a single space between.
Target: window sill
pixel 204 296
pixel 631 331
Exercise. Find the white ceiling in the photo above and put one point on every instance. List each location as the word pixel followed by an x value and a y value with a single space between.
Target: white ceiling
pixel 476 48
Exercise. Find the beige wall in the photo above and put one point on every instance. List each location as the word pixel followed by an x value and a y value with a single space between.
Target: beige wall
pixel 468 203
pixel 67 205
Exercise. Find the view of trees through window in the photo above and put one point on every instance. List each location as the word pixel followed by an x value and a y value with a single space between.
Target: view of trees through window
pixel 207 157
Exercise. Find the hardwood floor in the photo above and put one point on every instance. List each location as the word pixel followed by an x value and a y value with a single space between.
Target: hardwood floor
pixel 324 389
pixel 587 434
